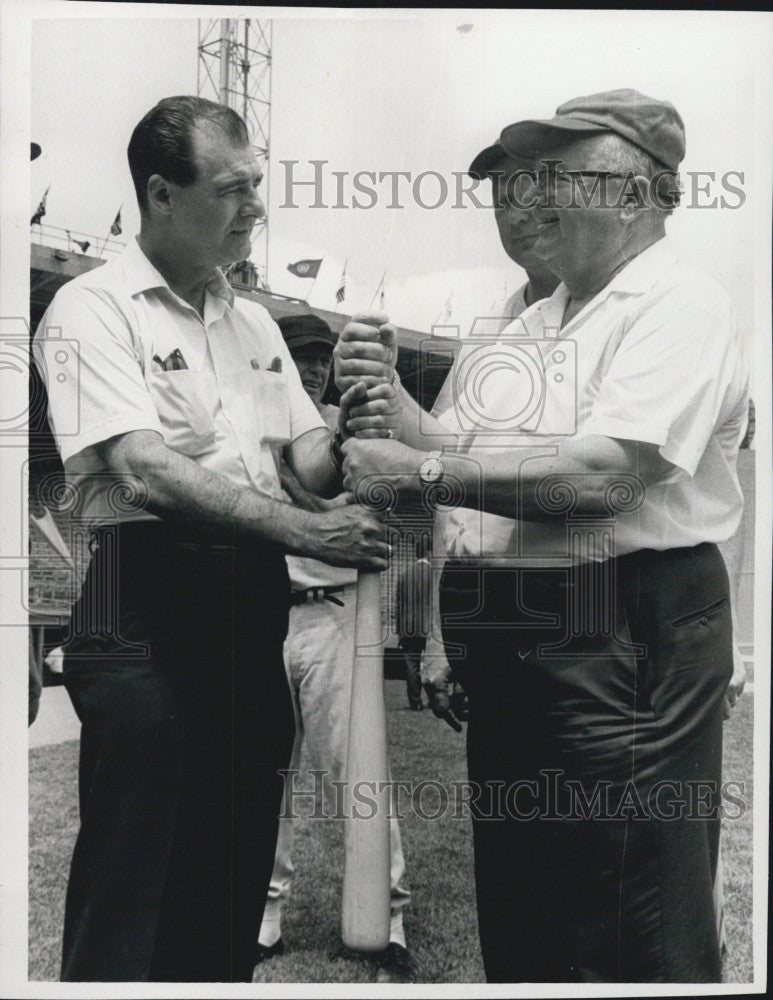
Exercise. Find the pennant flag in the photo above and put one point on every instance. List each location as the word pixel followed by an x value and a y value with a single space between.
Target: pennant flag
pixel 115 229
pixel 35 220
pixel 341 292
pixel 445 313
pixel 83 244
pixel 305 268
pixel 380 289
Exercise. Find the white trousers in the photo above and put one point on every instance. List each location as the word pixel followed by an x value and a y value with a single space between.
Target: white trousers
pixel 319 656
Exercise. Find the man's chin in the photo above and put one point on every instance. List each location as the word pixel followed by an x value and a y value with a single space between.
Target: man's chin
pixel 545 249
pixel 524 258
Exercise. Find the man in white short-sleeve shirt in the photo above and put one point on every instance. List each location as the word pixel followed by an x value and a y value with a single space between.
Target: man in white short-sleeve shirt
pixel 594 466
pixel 171 401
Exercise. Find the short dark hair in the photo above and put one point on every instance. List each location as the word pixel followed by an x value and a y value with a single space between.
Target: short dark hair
pixel 162 142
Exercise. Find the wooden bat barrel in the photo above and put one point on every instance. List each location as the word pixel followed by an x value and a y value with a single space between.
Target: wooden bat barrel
pixel 366 892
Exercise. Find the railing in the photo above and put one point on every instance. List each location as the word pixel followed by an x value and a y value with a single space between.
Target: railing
pixel 70 239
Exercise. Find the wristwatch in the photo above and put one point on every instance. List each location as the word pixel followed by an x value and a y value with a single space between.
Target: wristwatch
pixel 431 469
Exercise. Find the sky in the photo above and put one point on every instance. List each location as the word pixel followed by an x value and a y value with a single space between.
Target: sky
pixel 404 92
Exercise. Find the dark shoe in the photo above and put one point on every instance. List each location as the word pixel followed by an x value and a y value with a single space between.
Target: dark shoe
pixel 266 951
pixel 395 965
pixel 416 708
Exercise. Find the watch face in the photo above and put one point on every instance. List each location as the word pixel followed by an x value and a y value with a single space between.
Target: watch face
pixel 431 470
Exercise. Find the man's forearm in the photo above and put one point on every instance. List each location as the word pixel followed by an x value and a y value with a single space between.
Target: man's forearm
pixel 420 430
pixel 178 489
pixel 529 483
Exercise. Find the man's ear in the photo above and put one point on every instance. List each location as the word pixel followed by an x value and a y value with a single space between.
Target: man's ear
pixel 634 196
pixel 159 194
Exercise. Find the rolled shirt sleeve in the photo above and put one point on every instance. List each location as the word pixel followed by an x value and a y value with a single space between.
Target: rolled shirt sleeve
pixel 92 371
pixel 669 381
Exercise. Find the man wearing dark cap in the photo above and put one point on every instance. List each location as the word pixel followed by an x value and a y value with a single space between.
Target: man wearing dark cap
pixel 517 228
pixel 319 656
pixel 591 602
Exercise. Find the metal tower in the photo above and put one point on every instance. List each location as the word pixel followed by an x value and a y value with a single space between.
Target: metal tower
pixel 235 69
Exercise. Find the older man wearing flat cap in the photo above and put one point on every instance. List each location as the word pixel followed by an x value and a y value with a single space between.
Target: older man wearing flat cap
pixel 584 585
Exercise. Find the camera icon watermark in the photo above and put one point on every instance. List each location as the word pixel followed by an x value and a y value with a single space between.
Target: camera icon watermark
pixel 502 385
pixel 54 361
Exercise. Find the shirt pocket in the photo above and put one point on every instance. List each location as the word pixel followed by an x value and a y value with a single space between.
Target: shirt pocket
pixel 272 404
pixel 185 418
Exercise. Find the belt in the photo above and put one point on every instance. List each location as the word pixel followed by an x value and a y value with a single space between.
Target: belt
pixel 159 534
pixel 316 594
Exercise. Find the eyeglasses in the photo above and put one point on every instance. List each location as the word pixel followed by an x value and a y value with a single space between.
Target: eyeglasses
pixel 521 190
pixel 544 176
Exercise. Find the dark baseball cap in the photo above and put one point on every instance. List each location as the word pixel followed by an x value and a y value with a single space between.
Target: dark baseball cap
pixel 487 158
pixel 300 331
pixel 652 125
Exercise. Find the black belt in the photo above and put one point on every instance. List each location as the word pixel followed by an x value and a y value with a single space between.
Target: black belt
pixel 159 535
pixel 316 594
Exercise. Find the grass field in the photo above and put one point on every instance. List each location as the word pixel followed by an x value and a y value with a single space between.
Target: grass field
pixel 440 920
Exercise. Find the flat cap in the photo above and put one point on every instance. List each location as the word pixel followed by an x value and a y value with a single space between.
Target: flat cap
pixel 300 331
pixel 652 125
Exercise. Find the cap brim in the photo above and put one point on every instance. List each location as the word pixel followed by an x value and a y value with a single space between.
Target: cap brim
pixel 304 339
pixel 487 159
pixel 530 137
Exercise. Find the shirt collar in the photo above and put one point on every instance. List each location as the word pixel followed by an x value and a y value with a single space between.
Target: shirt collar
pixel 142 276
pixel 645 269
pixel 636 278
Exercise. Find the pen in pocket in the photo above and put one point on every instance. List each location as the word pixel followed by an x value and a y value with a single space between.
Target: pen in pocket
pixel 174 362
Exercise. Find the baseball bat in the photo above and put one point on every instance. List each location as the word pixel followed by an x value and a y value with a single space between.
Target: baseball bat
pixel 366 894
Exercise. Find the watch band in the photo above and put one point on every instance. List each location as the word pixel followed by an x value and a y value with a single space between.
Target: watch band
pixel 334 445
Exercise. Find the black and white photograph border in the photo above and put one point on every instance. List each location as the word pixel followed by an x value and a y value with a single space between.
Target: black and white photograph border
pixel 366 121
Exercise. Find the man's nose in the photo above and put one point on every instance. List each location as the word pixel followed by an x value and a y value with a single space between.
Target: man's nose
pixel 253 206
pixel 523 198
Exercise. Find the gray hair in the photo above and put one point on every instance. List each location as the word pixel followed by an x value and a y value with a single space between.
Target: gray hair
pixel 623 157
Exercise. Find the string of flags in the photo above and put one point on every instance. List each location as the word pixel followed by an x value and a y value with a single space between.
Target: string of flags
pixel 309 268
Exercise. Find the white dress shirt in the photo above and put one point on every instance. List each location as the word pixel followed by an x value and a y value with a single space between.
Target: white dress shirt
pixel 238 399
pixel 654 357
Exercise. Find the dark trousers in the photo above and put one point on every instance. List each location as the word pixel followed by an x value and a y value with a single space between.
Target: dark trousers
pixel 175 670
pixel 413 647
pixel 594 748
